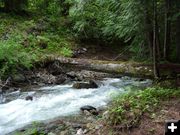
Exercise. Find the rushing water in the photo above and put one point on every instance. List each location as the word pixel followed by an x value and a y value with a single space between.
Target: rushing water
pixel 60 100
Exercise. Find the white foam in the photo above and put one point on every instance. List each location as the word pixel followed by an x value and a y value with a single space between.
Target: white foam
pixel 65 101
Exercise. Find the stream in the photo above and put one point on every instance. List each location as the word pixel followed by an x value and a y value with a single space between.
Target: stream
pixel 60 100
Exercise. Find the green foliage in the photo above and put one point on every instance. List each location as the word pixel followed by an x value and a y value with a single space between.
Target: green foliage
pixel 66 52
pixel 127 109
pixel 110 20
pixel 32 131
pixel 13 56
pixel 25 41
pixel 85 15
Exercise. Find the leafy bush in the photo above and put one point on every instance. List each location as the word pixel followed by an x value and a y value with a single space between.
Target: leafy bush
pixel 13 56
pixel 66 52
pixel 127 109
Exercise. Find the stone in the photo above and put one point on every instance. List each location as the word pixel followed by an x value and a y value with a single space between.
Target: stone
pixel 79 51
pixel 90 126
pixel 76 125
pixel 97 127
pixel 87 113
pixel 80 132
pixel 105 115
pixel 60 79
pixel 65 132
pixel 51 133
pixel 29 98
pixel 87 108
pixel 85 131
pixel 94 112
pixel 91 118
pixel 91 84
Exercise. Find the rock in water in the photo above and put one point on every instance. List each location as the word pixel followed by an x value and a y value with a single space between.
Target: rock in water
pixel 29 98
pixel 89 110
pixel 91 84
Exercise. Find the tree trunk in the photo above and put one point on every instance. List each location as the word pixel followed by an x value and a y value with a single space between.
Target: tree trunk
pixel 156 72
pixel 178 38
pixel 14 5
pixel 149 32
pixel 167 38
pixel 158 43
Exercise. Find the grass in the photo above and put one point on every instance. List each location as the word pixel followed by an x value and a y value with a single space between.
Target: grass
pixel 32 131
pixel 126 110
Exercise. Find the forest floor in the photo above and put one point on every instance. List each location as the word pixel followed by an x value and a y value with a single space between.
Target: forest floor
pixel 149 124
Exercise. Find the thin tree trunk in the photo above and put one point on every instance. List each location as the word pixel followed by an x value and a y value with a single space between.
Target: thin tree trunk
pixel 178 38
pixel 167 38
pixel 8 5
pixel 149 32
pixel 158 43
pixel 14 5
pixel 156 72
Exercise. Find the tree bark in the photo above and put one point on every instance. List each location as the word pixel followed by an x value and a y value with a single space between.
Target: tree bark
pixel 149 32
pixel 167 38
pixel 14 5
pixel 155 67
pixel 158 43
pixel 178 38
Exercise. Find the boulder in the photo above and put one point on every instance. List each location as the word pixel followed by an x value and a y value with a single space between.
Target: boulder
pixel 91 84
pixel 29 98
pixel 60 79
pixel 89 110
pixel 78 52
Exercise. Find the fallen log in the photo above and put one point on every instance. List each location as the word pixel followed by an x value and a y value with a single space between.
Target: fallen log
pixel 124 68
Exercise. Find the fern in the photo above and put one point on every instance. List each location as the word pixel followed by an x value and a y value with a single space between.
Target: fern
pixel 12 56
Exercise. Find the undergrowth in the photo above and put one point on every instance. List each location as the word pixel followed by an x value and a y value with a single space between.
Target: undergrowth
pixel 25 40
pixel 127 109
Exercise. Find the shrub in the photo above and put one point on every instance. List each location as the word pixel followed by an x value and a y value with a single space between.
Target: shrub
pixel 13 56
pixel 66 52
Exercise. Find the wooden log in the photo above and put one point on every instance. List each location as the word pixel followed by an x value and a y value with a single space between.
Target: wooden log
pixel 124 68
